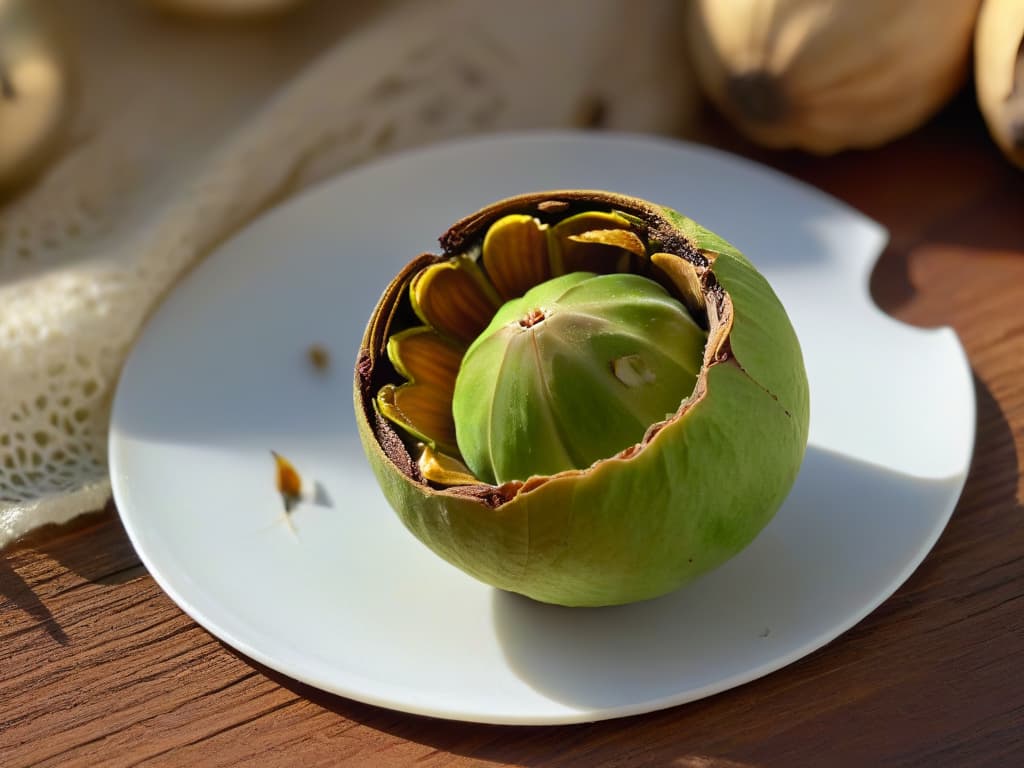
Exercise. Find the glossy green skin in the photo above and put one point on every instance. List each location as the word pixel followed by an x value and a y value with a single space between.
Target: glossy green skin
pixel 636 528
pixel 542 399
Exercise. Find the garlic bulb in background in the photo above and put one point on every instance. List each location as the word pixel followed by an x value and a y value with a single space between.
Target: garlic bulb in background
pixel 827 75
pixel 33 91
pixel 999 73
pixel 226 8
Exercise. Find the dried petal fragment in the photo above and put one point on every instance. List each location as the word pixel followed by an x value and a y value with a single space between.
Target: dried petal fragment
pixel 423 356
pixel 619 238
pixel 684 277
pixel 422 410
pixel 575 245
pixel 444 470
pixel 422 406
pixel 515 254
pixel 455 298
pixel 288 480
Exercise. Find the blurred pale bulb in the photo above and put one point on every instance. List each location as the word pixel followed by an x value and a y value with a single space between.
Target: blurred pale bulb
pixel 33 91
pixel 225 7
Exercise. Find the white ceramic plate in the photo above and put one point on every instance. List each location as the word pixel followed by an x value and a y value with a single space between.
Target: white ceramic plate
pixel 351 603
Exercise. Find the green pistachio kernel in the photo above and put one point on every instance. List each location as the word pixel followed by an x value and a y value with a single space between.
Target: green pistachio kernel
pixel 574 371
pixel 585 443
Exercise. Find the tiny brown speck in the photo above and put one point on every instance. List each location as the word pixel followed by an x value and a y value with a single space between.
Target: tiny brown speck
pixel 319 358
pixel 531 318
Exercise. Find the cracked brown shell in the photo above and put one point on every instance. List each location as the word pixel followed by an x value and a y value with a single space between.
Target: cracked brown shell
pixel 692 493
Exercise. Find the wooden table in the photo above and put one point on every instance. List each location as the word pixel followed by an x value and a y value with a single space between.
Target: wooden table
pixel 100 667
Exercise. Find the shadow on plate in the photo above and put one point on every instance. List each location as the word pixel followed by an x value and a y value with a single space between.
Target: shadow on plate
pixel 848 535
pixel 535 635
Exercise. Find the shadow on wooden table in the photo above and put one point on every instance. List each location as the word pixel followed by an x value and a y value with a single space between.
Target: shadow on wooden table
pixel 990 506
pixel 519 745
pixel 71 546
pixel 997 239
pixel 15 589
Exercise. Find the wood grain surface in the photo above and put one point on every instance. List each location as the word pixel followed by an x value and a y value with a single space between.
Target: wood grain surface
pixel 99 667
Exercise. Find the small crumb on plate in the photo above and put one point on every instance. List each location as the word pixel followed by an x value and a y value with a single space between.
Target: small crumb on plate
pixel 319 357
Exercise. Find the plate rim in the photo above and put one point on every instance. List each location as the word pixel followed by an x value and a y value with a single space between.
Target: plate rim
pixel 573 714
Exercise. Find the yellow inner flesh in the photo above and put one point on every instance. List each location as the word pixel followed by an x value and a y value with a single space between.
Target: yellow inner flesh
pixel 457 298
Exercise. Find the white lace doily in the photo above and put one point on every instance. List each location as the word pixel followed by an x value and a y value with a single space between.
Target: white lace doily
pixel 183 131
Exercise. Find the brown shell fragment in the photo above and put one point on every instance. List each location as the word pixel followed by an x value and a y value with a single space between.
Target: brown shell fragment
pixel 288 481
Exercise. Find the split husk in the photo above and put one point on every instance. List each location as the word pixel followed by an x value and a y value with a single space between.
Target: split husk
pixel 696 488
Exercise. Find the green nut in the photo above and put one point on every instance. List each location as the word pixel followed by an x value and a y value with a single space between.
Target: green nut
pixel 575 371
pixel 650 441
